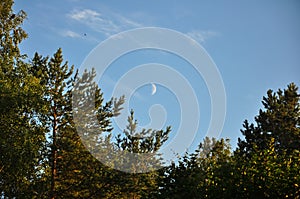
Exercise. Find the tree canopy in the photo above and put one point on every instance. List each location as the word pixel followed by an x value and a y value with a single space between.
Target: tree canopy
pixel 47 152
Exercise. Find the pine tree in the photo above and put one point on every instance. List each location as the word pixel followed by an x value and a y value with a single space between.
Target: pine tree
pixel 202 174
pixel 70 168
pixel 141 158
pixel 279 121
pixel 267 161
pixel 82 173
pixel 267 173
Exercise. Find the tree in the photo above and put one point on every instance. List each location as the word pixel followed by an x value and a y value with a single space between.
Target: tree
pixel 267 173
pixel 11 35
pixel 141 158
pixel 21 135
pixel 268 159
pixel 55 127
pixel 202 174
pixel 279 121
pixel 70 169
pixel 86 138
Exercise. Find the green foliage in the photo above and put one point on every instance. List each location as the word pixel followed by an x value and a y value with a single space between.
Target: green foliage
pixel 268 159
pixel 11 35
pixel 141 158
pixel 279 121
pixel 20 96
pixel 199 174
pixel 55 126
pixel 143 142
pixel 69 169
pixel 72 171
pixel 268 174
pixel 265 165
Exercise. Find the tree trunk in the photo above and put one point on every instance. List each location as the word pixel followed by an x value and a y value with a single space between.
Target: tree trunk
pixel 54 156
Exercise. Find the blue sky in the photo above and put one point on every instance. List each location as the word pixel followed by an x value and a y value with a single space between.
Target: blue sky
pixel 255 45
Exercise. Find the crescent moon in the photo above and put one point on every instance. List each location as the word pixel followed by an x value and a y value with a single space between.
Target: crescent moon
pixel 153 89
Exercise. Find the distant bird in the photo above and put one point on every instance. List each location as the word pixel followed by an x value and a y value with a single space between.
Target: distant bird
pixel 84 34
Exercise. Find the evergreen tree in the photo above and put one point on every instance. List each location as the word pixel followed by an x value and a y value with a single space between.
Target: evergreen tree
pixel 70 169
pixel 141 158
pixel 267 173
pixel 268 159
pixel 201 174
pixel 279 121
pixel 55 127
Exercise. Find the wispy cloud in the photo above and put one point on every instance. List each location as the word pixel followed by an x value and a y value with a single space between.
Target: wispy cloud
pixel 70 33
pixel 108 23
pixel 202 36
pixel 84 14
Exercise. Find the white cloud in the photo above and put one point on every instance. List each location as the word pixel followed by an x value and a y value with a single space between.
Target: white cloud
pixel 201 36
pixel 84 14
pixel 108 23
pixel 72 34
